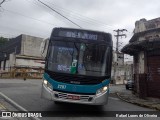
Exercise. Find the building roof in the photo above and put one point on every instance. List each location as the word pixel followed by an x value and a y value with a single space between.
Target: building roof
pixel 146 37
pixel 137 35
pixel 144 45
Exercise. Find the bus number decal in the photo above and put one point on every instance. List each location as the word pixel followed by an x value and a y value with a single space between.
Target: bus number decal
pixel 62 86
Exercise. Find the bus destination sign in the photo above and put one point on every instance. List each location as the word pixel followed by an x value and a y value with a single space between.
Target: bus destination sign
pixel 75 34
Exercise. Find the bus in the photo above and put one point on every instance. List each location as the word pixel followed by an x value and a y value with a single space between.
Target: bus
pixel 77 66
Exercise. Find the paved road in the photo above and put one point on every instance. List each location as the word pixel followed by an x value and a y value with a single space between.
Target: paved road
pixel 27 94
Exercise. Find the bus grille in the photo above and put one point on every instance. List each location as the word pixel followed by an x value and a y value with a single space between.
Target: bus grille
pixel 75 79
pixel 83 98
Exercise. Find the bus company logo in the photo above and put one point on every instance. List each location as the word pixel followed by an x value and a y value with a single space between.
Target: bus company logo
pixel 75 82
pixel 6 114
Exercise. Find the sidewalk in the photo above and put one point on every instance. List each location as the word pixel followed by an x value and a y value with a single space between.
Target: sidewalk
pixel 153 103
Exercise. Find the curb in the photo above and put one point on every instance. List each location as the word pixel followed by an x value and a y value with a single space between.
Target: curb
pixel 16 105
pixel 123 98
pixel 137 103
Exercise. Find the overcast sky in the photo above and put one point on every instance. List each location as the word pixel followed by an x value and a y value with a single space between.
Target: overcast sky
pixel 32 18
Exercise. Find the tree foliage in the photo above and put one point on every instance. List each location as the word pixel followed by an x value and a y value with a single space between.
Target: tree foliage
pixel 3 40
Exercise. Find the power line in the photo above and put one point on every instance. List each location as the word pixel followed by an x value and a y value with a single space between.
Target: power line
pixel 59 13
pixel 28 17
pixel 85 20
pixel 74 12
pixel 74 15
pixel 38 4
pixel 2 2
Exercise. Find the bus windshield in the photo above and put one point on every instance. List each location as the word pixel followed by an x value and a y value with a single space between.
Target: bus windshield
pixel 78 58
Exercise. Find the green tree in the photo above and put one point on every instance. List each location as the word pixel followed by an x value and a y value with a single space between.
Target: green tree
pixel 3 40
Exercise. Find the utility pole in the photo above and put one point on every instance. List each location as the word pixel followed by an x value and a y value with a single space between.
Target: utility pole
pixel 119 34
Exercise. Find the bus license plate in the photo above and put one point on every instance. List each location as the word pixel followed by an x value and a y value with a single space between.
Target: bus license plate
pixel 73 97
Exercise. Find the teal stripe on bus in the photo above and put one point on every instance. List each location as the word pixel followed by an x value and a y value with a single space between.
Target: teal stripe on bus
pixel 74 87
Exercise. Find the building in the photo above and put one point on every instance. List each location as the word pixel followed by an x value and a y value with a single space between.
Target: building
pixel 21 55
pixel 128 71
pixel 144 46
pixel 121 71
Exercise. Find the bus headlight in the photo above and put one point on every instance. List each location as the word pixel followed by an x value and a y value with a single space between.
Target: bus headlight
pixel 101 90
pixel 47 84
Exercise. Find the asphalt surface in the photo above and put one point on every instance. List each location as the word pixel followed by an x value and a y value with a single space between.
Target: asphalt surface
pixel 27 94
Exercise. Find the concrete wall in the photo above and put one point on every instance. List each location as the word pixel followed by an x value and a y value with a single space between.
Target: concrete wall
pixel 44 47
pixel 129 72
pixel 123 73
pixel 31 46
pixel 141 62
pixel 29 62
pixel 120 75
pixel 2 63
pixel 7 66
pixel 152 24
pixel 12 59
pixel 144 25
pixel 118 68
pixel 140 26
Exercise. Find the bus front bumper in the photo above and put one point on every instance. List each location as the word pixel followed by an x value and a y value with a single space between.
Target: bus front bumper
pixel 82 99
